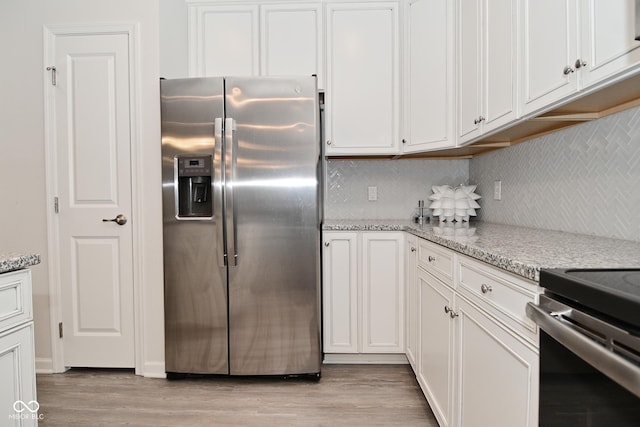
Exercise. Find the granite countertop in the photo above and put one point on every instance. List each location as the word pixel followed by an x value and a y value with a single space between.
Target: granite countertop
pixel 520 250
pixel 10 261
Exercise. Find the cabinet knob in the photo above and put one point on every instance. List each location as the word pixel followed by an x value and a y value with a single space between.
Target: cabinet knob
pixel 404 141
pixel 413 249
pixel 431 258
pixel 568 70
pixel 448 310
pixel 328 142
pixel 326 244
pixel 580 63
pixel 485 288
pixel 478 120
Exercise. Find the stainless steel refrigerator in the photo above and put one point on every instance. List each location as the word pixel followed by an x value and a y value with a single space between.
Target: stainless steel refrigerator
pixel 241 207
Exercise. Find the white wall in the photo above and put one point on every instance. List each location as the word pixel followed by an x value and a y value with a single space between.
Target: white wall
pixel 22 162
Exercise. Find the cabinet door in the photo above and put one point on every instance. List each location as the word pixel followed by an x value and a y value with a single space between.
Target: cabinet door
pixel 497 374
pixel 291 40
pixel 549 43
pixel 223 40
pixel 499 73
pixel 488 66
pixel 429 76
pixel 362 78
pixel 340 292
pixel 411 305
pixel 470 68
pixel 383 292
pixel 607 41
pixel 435 363
pixel 17 370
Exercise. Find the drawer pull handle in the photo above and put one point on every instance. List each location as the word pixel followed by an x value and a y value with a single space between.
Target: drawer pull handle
pixel 431 258
pixel 485 288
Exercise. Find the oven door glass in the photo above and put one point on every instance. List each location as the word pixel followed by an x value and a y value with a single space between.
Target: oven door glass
pixel 573 393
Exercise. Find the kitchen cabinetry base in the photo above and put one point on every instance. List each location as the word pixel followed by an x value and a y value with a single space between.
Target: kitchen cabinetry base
pixel 365 359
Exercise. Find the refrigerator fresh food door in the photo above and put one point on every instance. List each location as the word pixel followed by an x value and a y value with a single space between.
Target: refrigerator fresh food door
pixel 195 280
pixel 274 316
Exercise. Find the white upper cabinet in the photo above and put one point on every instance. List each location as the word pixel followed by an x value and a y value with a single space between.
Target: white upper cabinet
pixel 607 39
pixel 487 58
pixel 429 76
pixel 362 98
pixel 549 52
pixel 261 39
pixel 224 40
pixel 291 40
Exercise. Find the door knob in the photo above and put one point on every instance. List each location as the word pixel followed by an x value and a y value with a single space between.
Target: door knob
pixel 120 220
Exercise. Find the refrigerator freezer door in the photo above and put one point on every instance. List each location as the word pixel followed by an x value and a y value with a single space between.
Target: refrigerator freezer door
pixel 196 339
pixel 274 288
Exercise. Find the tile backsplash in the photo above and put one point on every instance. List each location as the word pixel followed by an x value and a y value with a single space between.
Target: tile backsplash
pixel 585 179
pixel 400 184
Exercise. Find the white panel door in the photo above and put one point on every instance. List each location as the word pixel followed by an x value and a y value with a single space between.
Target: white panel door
pixel 435 363
pixel 549 46
pixel 412 308
pixel 429 88
pixel 291 40
pixel 362 96
pixel 608 38
pixel 224 40
pixel 92 140
pixel 497 373
pixel 470 69
pixel 382 292
pixel 340 292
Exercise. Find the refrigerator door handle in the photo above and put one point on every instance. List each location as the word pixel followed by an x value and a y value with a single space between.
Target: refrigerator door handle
pixel 218 180
pixel 230 161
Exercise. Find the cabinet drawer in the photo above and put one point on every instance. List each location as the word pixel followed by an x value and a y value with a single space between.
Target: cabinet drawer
pixel 436 259
pixel 501 294
pixel 15 298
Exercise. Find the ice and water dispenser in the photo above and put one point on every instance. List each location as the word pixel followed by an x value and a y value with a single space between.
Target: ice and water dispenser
pixel 194 198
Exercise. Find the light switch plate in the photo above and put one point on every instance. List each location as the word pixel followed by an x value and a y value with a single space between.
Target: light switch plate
pixel 497 190
pixel 373 193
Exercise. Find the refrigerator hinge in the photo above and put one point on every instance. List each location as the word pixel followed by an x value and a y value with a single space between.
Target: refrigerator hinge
pixel 56 207
pixel 53 74
pixel 60 334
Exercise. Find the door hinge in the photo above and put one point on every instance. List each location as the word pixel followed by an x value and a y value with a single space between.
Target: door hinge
pixel 53 74
pixel 60 330
pixel 56 207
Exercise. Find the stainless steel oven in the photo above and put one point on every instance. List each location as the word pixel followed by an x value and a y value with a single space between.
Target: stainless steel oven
pixel 589 347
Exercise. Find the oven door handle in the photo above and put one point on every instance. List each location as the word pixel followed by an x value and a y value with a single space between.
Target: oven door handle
pixel 612 365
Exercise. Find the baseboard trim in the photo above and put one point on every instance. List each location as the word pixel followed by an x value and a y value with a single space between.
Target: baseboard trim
pixel 365 359
pixel 44 365
pixel 153 370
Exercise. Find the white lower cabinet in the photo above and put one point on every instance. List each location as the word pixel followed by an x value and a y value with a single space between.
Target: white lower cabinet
pixel 18 405
pixel 496 373
pixel 475 368
pixel 363 292
pixel 411 300
pixel 435 366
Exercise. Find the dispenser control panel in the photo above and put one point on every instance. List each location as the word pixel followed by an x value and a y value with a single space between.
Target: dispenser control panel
pixel 194 166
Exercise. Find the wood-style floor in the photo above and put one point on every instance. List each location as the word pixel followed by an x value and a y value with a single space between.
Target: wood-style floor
pixel 347 395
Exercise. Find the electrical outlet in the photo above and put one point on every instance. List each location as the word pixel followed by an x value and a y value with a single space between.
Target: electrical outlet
pixel 497 190
pixel 373 193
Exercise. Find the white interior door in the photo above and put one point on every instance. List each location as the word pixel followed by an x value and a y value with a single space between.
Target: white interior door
pixel 91 99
